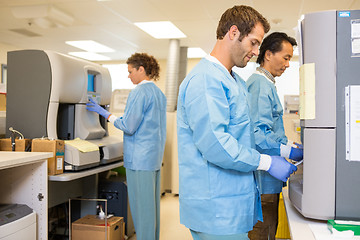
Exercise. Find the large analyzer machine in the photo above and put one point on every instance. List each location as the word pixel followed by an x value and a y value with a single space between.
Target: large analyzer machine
pixel 328 187
pixel 47 94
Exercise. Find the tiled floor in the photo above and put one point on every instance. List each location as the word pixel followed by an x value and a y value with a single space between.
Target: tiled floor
pixel 170 227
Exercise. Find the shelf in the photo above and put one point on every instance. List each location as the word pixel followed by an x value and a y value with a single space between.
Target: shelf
pixel 69 176
pixel 14 159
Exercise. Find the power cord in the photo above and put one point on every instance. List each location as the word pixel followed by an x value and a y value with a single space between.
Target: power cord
pixel 12 137
pixel 11 129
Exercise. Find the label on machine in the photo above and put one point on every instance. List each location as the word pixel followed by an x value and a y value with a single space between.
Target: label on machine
pixel 352 115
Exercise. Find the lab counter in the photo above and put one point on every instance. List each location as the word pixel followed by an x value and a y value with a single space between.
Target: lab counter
pixel 304 228
pixel 76 184
pixel 68 176
pixel 15 159
pixel 298 224
pixel 81 184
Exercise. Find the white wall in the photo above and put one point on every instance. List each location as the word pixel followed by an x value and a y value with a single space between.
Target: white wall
pixel 286 84
pixel 119 76
pixel 4 48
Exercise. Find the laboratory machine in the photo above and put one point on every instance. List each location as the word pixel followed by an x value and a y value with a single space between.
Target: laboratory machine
pixel 47 94
pixel 17 221
pixel 327 188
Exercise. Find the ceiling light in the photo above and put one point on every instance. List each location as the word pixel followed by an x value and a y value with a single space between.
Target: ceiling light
pixel 159 30
pixel 196 53
pixel 90 46
pixel 90 56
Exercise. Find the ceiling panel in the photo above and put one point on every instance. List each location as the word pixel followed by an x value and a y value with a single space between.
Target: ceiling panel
pixel 321 5
pixel 111 22
pixel 92 13
pixel 139 11
pixel 182 10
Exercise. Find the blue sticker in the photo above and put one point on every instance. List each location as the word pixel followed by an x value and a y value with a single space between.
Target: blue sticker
pixel 344 14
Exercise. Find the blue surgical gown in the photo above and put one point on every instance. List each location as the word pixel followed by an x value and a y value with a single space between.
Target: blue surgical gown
pixel 217 189
pixel 144 127
pixel 266 113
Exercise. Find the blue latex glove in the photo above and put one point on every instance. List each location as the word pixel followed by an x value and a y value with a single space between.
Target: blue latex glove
pixel 298 145
pixel 291 151
pixel 280 168
pixel 296 154
pixel 94 107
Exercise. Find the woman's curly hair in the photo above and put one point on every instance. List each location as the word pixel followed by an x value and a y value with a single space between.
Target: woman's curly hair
pixel 148 62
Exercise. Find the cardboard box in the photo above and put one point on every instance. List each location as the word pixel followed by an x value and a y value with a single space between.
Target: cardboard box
pixel 2 101
pixel 92 228
pixel 20 144
pixel 57 147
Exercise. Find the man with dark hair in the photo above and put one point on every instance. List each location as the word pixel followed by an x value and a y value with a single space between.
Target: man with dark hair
pixel 218 195
pixel 266 112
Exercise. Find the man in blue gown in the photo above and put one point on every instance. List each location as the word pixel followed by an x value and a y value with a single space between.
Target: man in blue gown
pixel 218 194
pixel 275 54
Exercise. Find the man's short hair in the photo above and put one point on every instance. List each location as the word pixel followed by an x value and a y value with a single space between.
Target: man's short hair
pixel 273 43
pixel 244 17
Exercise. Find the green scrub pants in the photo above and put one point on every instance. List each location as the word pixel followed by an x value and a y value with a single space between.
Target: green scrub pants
pixel 144 198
